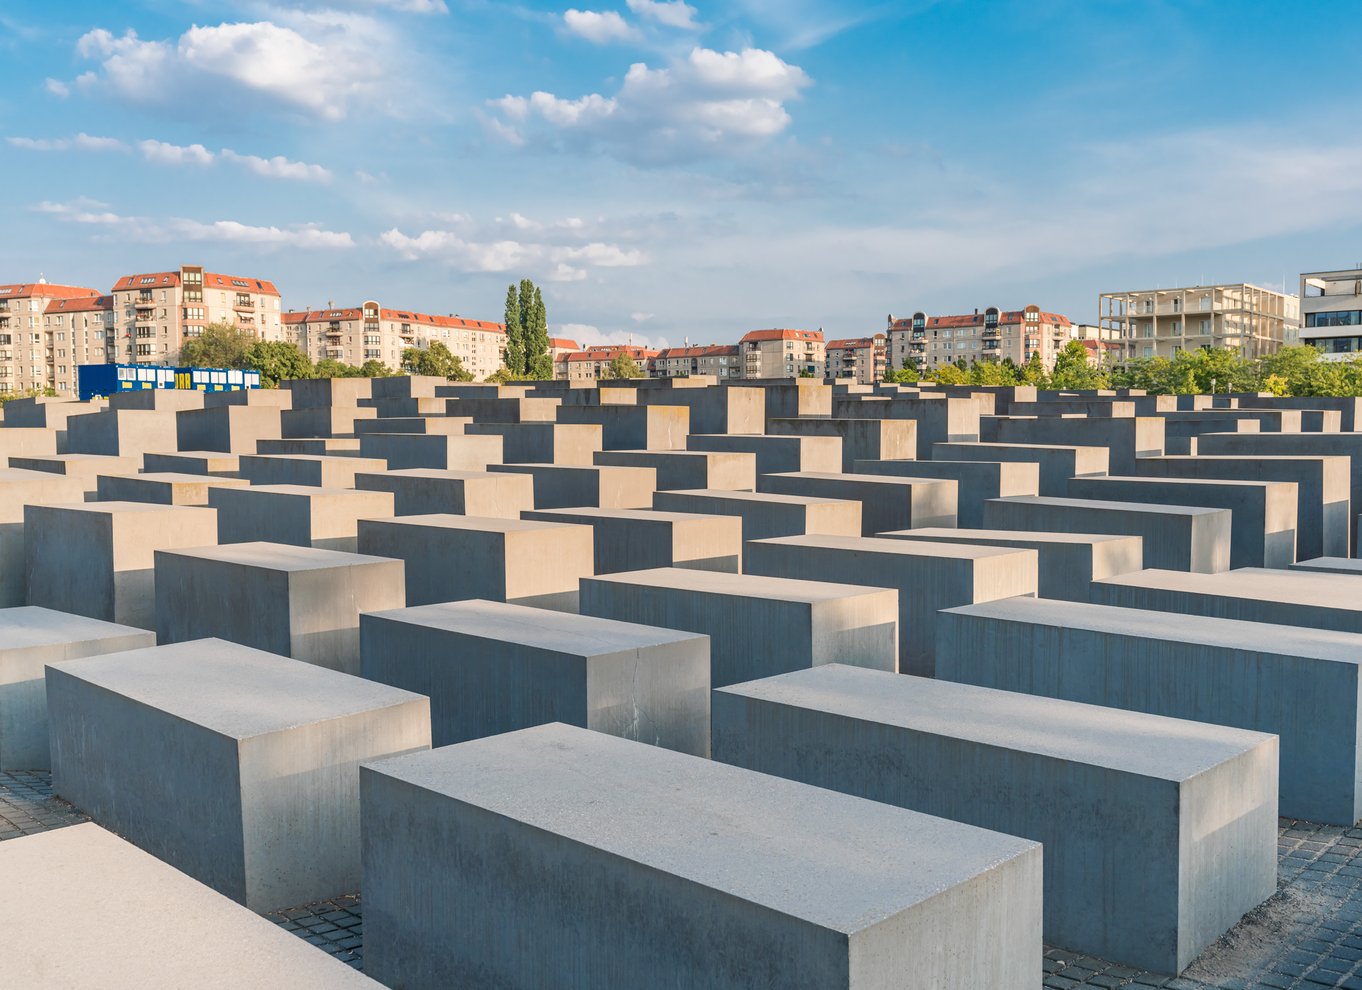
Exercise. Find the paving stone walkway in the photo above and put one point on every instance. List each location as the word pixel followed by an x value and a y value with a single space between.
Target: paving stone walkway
pixel 1306 937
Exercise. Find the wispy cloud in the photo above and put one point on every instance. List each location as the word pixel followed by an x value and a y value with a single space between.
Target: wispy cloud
pixel 81 142
pixel 278 167
pixel 598 27
pixel 164 153
pixel 169 229
pixel 669 13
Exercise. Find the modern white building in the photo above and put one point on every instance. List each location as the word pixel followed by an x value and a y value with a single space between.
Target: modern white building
pixel 1331 312
pixel 1161 322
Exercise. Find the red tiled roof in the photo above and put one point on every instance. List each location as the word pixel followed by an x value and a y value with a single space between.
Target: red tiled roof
pixel 755 335
pixel 608 352
pixel 712 350
pixel 82 304
pixel 391 315
pixel 45 290
pixel 977 320
pixel 855 343
pixel 211 280
pixel 563 344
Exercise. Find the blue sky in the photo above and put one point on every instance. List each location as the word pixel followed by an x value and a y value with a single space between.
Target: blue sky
pixel 682 170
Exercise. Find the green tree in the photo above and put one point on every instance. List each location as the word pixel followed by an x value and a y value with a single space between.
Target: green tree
pixel 527 332
pixel 992 373
pixel 1033 371
pixel 538 360
pixel 277 361
pixel 220 345
pixel 515 333
pixel 1073 371
pixel 437 360
pixel 622 366
pixel 949 374
pixel 28 393
pixel 373 368
pixel 331 368
pixel 500 377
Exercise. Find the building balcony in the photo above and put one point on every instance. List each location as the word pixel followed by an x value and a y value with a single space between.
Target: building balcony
pixel 991 333
pixel 918 335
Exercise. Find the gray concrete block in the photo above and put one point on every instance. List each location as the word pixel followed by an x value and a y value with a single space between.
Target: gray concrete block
pixel 454 426
pixel 162 488
pixel 316 471
pixel 303 516
pixel 730 471
pixel 278 398
pixel 210 462
pixel 491 863
pixel 862 439
pixel 504 409
pixel 790 398
pixel 1180 845
pixel 489 667
pixel 1178 537
pixel 406 386
pixel 939 419
pixel 927 576
pixel 637 539
pixel 1057 464
pixel 121 432
pixel 1321 491
pixel 96 559
pixel 238 767
pixel 627 427
pixel 84 468
pixel 1330 565
pixel 433 450
pixel 765 514
pixel 563 486
pixel 298 602
pixel 17 489
pixel 314 446
pixel 1263 526
pixel 453 558
pixel 31 637
pixel 171 930
pixel 27 441
pixel 421 491
pixel 758 626
pixel 777 454
pixel 1300 684
pixel 323 421
pixel 1126 439
pixel 1067 563
pixel 170 400
pixel 887 503
pixel 315 393
pixel 718 409
pixel 233 429
pixel 977 481
pixel 544 443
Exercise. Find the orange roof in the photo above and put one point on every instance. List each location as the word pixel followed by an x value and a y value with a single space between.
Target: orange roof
pixel 855 343
pixel 712 350
pixel 977 320
pixel 292 318
pixel 608 352
pixel 563 344
pixel 45 290
pixel 211 280
pixel 755 335
pixel 82 304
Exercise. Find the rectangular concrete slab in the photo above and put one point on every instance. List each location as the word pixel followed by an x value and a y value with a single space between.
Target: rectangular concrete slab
pixel 496 862
pixel 630 427
pixel 1057 464
pixel 433 450
pixel 887 503
pixel 210 462
pixel 731 470
pixel 544 443
pixel 85 468
pixel 559 486
pixel 317 471
pixel 862 439
pixel 637 539
pixel 776 454
pixel 758 626
pixel 765 514
pixel 162 488
pixel 298 602
pixel 170 930
pixel 1301 684
pixel 305 516
pixel 1181 844
pixel 977 481
pixel 420 491
pixel 233 429
pixel 238 767
pixel 489 667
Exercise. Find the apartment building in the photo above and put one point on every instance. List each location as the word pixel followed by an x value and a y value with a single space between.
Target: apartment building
pixel 723 361
pixel 1331 312
pixel 860 358
pixel 560 347
pixel 1161 322
pixel 46 330
pixel 782 353
pixel 590 365
pixel 156 312
pixel 369 332
pixel 988 335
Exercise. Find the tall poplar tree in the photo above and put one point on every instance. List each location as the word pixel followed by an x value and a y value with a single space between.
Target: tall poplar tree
pixel 515 334
pixel 538 363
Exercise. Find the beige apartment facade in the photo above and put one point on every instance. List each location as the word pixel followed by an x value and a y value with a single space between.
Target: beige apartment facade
pixel 782 353
pixel 590 364
pixel 156 312
pixel 47 331
pixel 723 361
pixel 369 332
pixel 1331 313
pixel 991 334
pixel 1162 322
pixel 862 359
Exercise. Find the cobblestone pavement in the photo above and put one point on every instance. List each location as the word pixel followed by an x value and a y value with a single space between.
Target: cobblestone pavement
pixel 1308 936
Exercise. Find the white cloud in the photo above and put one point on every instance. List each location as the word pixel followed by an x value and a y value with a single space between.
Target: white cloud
pixel 318 63
pixel 163 153
pixel 278 167
pixel 56 87
pixel 81 142
pixel 589 335
pixel 640 317
pixel 179 229
pixel 599 28
pixel 668 13
pixel 708 103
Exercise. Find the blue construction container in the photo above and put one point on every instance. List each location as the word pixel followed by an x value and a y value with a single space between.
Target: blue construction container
pixel 103 380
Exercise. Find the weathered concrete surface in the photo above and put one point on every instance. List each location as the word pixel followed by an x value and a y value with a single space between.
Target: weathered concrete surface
pixel 559 486
pixel 298 602
pixel 453 558
pixel 315 446
pixel 438 423
pixel 776 453
pixel 162 488
pixel 887 503
pixel 96 559
pixel 31 637
pixel 1057 464
pixel 84 468
pixel 1301 684
pixel 1125 439
pixel 238 767
pixel 634 427
pixel 758 626
pixel 728 470
pixel 765 514
pixel 938 419
pixel 862 439
pixel 927 576
pixel 1181 844
pixel 233 429
pixel 119 432
pixel 1330 565
pixel 421 491
pixel 321 393
pixel 1067 563
pixel 637 539
pixel 1178 537
pixel 976 481
pixel 209 462
pixel 170 930
pixel 1263 526
pixel 713 410
pixel 317 471
pixel 27 441
pixel 298 514
pixel 491 863
pixel 17 489
pixel 323 421
pixel 544 443
pixel 489 667
pixel 432 450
